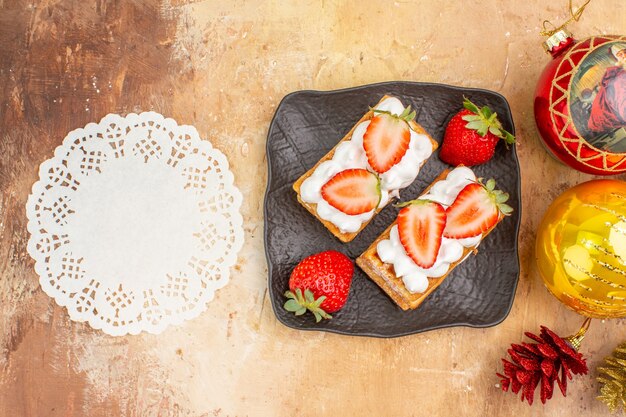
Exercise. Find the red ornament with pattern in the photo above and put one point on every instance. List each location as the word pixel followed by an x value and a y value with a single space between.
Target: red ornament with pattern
pixel 580 102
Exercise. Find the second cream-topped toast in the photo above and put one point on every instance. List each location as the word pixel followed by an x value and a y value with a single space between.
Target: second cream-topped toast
pixel 388 273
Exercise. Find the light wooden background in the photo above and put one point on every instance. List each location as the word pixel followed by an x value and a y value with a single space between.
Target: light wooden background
pixel 223 66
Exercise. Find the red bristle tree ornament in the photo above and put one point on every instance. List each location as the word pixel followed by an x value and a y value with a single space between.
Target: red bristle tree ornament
pixel 551 359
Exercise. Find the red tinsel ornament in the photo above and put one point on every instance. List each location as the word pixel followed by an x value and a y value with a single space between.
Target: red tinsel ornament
pixel 551 359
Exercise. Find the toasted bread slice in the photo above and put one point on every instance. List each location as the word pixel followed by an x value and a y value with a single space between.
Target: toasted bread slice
pixel 312 207
pixel 383 273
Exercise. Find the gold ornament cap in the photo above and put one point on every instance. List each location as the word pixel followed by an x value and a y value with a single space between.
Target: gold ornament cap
pixel 576 339
pixel 556 38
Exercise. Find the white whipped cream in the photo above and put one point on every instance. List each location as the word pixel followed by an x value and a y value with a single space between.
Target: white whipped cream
pixel 350 154
pixel 391 251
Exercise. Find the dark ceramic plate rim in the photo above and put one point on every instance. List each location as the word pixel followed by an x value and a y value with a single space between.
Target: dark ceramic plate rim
pixel 276 305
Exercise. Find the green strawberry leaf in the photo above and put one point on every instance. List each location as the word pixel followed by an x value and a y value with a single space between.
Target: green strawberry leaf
pixel 509 138
pixel 505 209
pixel 498 196
pixel 502 197
pixel 319 301
pixel 292 305
pixel 298 304
pixel 470 106
pixel 377 111
pixel 318 316
pixel 474 125
pixel 470 117
pixel 485 120
pixel 407 115
pixel 495 131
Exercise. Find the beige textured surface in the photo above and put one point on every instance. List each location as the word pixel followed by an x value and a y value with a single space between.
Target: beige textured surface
pixel 223 67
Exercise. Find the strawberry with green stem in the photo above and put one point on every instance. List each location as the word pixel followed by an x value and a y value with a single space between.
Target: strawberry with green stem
pixel 471 136
pixel 320 284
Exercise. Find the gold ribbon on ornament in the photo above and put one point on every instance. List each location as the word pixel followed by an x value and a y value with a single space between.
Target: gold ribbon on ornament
pixel 574 17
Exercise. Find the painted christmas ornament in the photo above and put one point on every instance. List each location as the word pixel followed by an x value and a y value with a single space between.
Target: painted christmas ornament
pixel 580 102
pixel 581 248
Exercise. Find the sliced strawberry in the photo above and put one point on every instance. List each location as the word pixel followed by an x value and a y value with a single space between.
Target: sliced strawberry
pixel 420 226
pixel 353 191
pixel 387 138
pixel 475 210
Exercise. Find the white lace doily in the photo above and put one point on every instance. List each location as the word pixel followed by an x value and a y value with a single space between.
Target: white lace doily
pixel 134 223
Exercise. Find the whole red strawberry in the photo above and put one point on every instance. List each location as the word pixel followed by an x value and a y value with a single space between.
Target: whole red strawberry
pixel 472 135
pixel 320 283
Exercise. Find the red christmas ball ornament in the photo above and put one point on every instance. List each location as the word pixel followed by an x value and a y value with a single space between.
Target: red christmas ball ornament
pixel 580 102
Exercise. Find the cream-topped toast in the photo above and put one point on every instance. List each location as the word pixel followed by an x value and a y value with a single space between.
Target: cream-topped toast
pixel 375 160
pixel 432 235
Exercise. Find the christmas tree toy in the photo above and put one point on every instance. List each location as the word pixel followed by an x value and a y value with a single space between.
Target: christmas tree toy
pixel 612 378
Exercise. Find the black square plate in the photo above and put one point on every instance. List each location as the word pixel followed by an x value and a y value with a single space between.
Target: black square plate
pixel 307 124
